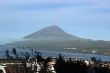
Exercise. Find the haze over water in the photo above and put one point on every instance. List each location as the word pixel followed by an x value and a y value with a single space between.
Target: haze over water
pixel 54 54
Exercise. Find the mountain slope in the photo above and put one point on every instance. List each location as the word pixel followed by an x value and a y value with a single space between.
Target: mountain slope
pixel 54 38
pixel 51 31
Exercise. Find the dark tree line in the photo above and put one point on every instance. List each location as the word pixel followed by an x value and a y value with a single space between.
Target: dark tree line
pixel 62 65
pixel 69 66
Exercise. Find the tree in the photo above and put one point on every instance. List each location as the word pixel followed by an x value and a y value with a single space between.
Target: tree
pixel 27 55
pixel 61 58
pixel 49 59
pixel 15 52
pixel 7 54
pixel 38 55
pixel 93 59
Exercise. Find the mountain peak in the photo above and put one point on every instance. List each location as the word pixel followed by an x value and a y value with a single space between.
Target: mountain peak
pixel 53 26
pixel 49 31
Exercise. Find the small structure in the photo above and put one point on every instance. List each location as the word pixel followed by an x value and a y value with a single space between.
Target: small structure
pixel 50 68
pixel 2 69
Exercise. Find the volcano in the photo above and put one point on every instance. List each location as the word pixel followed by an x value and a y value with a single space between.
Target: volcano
pixel 44 37
pixel 54 38
pixel 51 31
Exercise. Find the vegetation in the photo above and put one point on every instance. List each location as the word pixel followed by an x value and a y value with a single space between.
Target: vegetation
pixel 61 65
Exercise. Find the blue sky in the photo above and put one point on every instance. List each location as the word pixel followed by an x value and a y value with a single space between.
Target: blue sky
pixel 83 18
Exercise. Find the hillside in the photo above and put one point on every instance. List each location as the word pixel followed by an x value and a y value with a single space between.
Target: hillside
pixel 48 31
pixel 54 38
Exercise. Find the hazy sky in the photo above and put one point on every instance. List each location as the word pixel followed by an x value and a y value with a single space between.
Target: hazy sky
pixel 82 18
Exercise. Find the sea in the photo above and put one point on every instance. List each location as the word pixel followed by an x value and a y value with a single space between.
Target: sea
pixel 55 54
